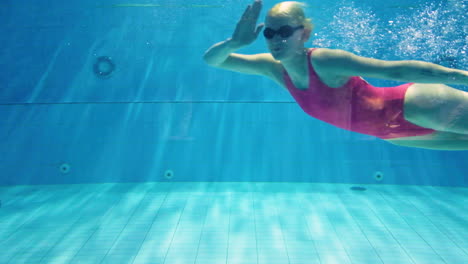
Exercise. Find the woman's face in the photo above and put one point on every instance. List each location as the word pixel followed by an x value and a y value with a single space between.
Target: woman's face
pixel 282 47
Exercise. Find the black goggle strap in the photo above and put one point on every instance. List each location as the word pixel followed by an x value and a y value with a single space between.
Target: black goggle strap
pixel 284 31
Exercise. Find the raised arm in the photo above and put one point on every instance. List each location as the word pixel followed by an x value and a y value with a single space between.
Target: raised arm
pixel 245 33
pixel 342 63
pixel 221 54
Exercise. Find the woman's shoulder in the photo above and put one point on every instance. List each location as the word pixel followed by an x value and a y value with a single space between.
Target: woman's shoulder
pixel 329 59
pixel 324 54
pixel 322 60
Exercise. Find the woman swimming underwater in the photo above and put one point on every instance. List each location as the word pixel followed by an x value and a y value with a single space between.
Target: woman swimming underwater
pixel 423 113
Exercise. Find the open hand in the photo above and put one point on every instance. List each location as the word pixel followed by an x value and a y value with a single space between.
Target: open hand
pixel 247 30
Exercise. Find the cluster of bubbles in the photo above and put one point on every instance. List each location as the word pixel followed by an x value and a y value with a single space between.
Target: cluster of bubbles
pixel 435 32
pixel 351 28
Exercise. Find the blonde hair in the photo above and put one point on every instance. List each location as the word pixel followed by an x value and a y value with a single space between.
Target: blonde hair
pixel 294 10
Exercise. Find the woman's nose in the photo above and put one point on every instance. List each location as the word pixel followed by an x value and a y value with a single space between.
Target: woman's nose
pixel 277 39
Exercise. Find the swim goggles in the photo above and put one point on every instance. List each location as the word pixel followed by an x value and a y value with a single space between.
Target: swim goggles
pixel 284 31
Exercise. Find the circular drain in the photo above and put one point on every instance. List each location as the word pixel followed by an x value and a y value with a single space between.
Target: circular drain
pixel 103 67
pixel 168 174
pixel 64 168
pixel 378 176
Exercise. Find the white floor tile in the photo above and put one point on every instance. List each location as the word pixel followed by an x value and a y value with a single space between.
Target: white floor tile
pixel 233 223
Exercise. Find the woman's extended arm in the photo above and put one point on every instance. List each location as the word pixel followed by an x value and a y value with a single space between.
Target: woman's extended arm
pixel 219 52
pixel 342 63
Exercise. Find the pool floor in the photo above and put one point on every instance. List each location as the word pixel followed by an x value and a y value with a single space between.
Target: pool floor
pixel 233 223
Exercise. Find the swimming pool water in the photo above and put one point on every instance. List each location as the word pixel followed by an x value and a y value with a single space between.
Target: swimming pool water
pixel 84 159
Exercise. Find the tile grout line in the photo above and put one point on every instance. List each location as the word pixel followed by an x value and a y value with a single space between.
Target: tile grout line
pixel 175 231
pixel 126 223
pixel 252 196
pixel 203 227
pixel 279 221
pixel 359 226
pixel 437 225
pixel 229 227
pixel 29 219
pixel 390 232
pixel 150 226
pixel 334 229
pixel 404 219
pixel 301 202
pixel 71 225
pixel 116 201
pixel 34 213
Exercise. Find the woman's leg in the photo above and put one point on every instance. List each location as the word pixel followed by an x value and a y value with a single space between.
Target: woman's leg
pixel 437 106
pixel 438 140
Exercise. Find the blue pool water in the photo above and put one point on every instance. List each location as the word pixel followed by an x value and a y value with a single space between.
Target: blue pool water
pixel 118 144
pixel 152 105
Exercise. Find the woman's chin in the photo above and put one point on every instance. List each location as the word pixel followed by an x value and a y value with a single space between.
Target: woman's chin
pixel 277 54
